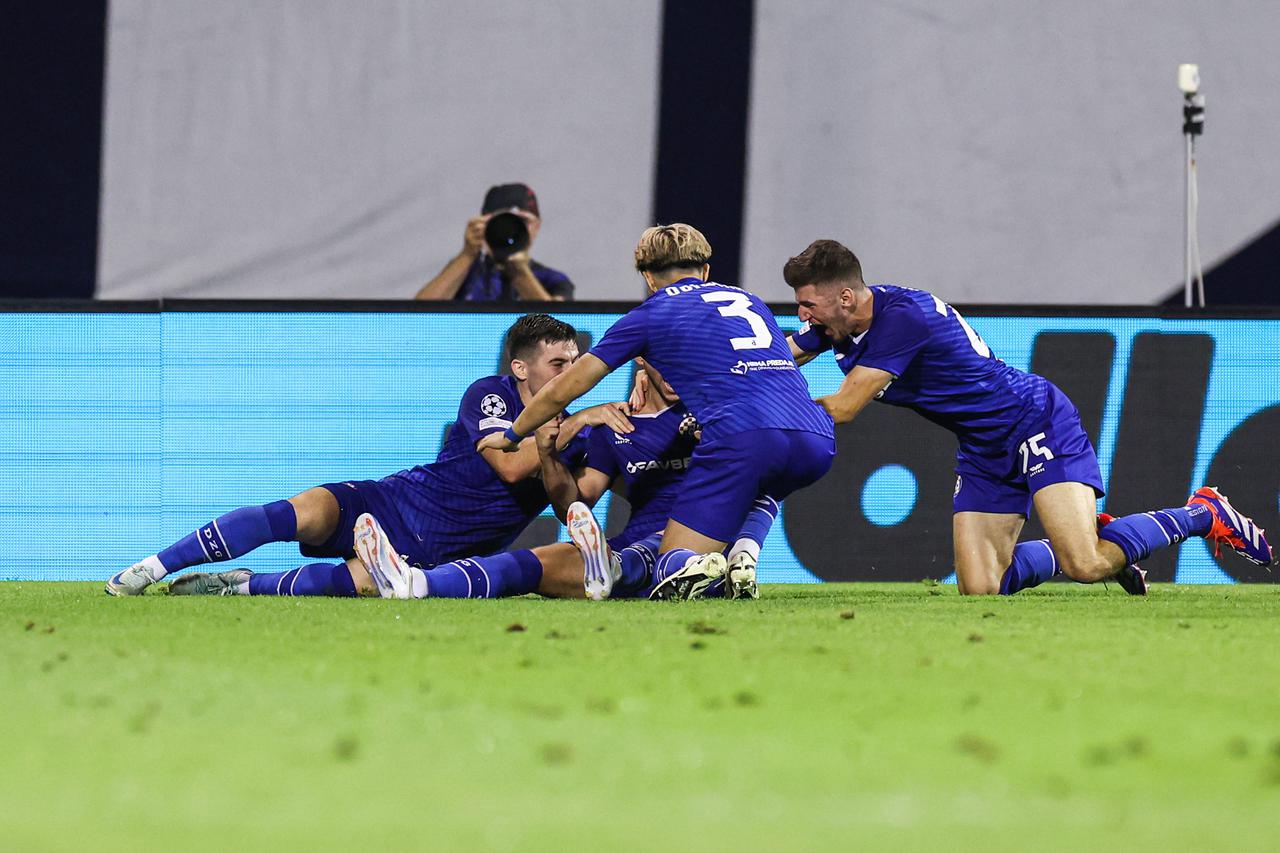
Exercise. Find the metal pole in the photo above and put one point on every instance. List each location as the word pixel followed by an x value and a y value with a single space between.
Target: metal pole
pixel 1187 236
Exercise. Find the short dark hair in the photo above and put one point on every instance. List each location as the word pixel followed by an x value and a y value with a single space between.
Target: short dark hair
pixel 532 329
pixel 821 262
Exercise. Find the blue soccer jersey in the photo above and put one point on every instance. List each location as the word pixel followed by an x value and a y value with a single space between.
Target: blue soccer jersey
pixel 943 370
pixel 722 351
pixel 652 461
pixel 458 503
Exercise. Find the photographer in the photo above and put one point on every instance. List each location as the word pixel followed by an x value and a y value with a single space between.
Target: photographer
pixel 494 263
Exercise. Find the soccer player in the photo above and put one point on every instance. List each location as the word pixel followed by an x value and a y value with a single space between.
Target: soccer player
pixel 650 463
pixel 468 501
pixel 1020 438
pixel 723 353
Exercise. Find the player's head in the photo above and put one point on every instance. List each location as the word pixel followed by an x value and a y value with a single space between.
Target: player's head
pixel 541 348
pixel 514 198
pixel 668 253
pixel 658 387
pixel 827 279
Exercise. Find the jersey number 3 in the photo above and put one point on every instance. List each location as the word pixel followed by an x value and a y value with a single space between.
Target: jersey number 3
pixel 740 306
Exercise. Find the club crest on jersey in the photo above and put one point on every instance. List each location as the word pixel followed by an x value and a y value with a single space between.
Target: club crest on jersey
pixel 493 406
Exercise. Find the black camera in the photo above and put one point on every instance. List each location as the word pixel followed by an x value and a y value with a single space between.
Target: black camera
pixel 506 234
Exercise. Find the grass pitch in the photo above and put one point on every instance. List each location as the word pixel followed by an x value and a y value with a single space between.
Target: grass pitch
pixel 821 717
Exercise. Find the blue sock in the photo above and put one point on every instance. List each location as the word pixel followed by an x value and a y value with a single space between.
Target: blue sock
pixel 232 535
pixel 667 565
pixel 638 560
pixel 1138 535
pixel 756 527
pixel 333 579
pixel 1033 564
pixel 514 573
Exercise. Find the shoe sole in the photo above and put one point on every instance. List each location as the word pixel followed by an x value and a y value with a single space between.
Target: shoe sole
pixel 687 587
pixel 374 550
pixel 585 533
pixel 741 583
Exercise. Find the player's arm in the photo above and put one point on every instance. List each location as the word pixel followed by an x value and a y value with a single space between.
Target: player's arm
pixel 584 375
pixel 512 467
pixel 808 342
pixel 564 486
pixel 801 356
pixel 613 416
pixel 859 387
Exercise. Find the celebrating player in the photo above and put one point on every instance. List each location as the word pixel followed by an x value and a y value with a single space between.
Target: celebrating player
pixel 722 351
pixel 650 463
pixel 1020 438
pixel 468 501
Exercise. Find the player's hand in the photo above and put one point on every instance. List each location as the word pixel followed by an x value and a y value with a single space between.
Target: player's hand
pixel 546 437
pixel 497 441
pixel 473 238
pixel 615 417
pixel 639 391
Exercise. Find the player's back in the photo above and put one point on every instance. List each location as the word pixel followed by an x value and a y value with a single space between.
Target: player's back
pixel 721 349
pixel 944 370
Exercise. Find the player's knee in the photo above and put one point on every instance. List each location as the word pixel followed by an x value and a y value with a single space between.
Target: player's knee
pixel 317 512
pixel 1084 568
pixel 982 586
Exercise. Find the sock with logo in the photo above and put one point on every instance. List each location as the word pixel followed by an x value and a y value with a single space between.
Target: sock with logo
pixel 1140 534
pixel 228 536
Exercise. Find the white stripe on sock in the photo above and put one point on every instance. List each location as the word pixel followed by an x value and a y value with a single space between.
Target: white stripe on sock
pixel 200 539
pixel 1152 516
pixel 1052 556
pixel 222 539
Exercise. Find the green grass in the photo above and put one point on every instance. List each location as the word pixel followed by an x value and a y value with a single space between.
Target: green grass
pixel 821 717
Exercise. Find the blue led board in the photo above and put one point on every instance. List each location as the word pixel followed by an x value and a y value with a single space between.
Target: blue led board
pixel 125 431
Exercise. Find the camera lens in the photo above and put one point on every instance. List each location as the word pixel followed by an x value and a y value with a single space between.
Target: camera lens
pixel 506 234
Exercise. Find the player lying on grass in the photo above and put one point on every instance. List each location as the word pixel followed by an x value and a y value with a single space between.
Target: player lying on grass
pixel 723 353
pixel 649 462
pixel 468 501
pixel 1020 438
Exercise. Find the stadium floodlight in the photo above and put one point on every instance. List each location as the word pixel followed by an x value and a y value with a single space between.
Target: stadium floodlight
pixel 1192 127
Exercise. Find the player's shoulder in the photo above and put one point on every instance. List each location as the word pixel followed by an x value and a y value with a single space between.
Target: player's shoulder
pixel 492 392
pixel 907 304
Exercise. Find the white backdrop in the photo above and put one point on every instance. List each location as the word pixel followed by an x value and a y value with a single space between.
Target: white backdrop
pixel 1008 150
pixel 333 148
pixel 1000 151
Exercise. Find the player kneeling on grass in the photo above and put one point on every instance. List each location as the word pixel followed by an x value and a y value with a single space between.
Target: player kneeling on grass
pixel 649 461
pixel 722 351
pixel 468 501
pixel 1020 438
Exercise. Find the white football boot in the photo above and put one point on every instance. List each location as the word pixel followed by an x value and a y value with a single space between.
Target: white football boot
pixel 389 570
pixel 740 577
pixel 600 566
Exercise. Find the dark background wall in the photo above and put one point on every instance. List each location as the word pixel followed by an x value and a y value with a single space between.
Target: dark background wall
pixel 51 94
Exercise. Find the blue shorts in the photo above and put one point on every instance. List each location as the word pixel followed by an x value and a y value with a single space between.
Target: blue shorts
pixel 1052 448
pixel 375 497
pixel 728 474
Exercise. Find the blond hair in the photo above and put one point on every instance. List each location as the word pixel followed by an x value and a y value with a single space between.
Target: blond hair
pixel 677 245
